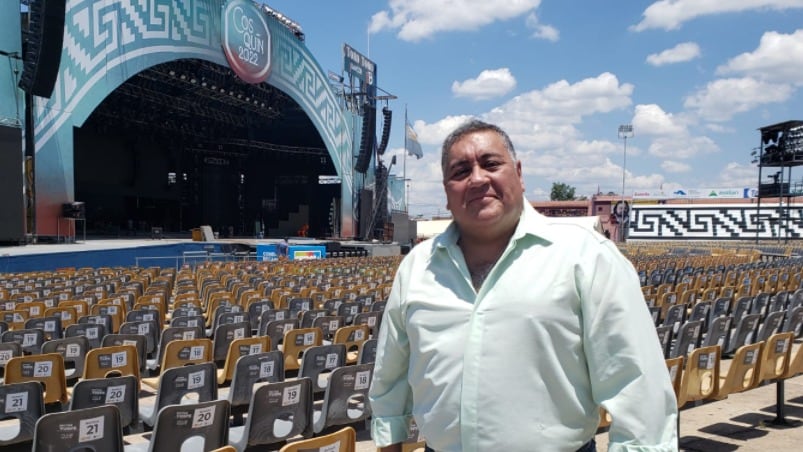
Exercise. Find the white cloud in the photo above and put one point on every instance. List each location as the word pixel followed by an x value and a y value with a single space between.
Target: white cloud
pixel 681 53
pixel 721 99
pixel 681 147
pixel 672 166
pixel 489 84
pixel 653 120
pixel 540 30
pixel 419 19
pixel 671 14
pixel 738 175
pixel 778 59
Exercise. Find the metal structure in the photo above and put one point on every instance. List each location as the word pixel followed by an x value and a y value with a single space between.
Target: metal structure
pixel 781 147
pixel 625 132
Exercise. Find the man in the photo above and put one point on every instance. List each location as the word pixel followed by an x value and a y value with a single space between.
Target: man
pixel 509 330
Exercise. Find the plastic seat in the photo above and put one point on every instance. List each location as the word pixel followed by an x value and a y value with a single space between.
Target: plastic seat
pixel 47 369
pixel 277 412
pixel 367 352
pixel 237 349
pixel 701 376
pixel 195 382
pixel 137 340
pixel 295 342
pixel 776 356
pixel 170 334
pixel 689 338
pixel 744 333
pixel 23 402
pixel 225 334
pixel 343 440
pixel 744 371
pixel 93 333
pixel 74 350
pixel 250 370
pixel 8 350
pixel 96 428
pixel 771 325
pixel 352 337
pixel 122 392
pixel 114 360
pixel 317 363
pixel 31 340
pixel 202 426
pixel 346 398
pixel 675 368
pixel 373 319
pixel 51 325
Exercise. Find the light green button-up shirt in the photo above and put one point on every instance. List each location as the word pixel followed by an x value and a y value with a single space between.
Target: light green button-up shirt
pixel 557 329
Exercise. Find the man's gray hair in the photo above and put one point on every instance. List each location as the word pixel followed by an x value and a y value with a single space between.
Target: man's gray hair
pixel 471 126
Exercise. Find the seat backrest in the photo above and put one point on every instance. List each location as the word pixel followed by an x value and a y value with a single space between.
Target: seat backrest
pixel 8 350
pixel 30 339
pixel 238 348
pixel 116 314
pixel 93 332
pixel 343 440
pixel 295 342
pixel 276 330
pixel 373 319
pixel 173 333
pixel 225 334
pixel 718 332
pixel 317 363
pixel 137 340
pixel 793 321
pixel 309 316
pixel 744 371
pixel 367 352
pixel 701 376
pixel 772 323
pixel 51 325
pixel 278 411
pixel 721 306
pixel 267 366
pixel 188 320
pixel 147 328
pixel 741 307
pixel 204 426
pixel 23 402
pixel 181 352
pixel 177 382
pixel 328 324
pixel 298 305
pixel 688 338
pixel 74 350
pixel 665 334
pixel 346 398
pixel 675 368
pixel 352 336
pixel 675 316
pixel 99 319
pixel 122 392
pixel 745 332
pixel 96 428
pixel 46 368
pixel 255 310
pixel 112 360
pixel 700 311
pixel 776 356
pixel 348 310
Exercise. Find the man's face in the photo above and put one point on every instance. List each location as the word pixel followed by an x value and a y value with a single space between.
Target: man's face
pixel 484 187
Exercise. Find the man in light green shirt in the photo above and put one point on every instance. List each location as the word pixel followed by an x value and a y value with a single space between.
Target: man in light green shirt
pixel 510 330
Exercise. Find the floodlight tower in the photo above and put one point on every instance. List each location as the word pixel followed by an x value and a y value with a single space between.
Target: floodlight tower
pixel 625 132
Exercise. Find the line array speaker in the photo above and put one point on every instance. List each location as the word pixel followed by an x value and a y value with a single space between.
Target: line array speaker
pixel 43 42
pixel 367 140
pixel 387 115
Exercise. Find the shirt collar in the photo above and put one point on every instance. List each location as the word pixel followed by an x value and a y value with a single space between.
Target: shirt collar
pixel 531 223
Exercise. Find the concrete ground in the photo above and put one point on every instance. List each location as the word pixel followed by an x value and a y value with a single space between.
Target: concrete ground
pixel 742 422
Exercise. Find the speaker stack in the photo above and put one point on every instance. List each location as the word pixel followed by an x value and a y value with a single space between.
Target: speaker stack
pixel 368 139
pixel 43 42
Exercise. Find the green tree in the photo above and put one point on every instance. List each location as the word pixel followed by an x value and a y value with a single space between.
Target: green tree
pixel 561 192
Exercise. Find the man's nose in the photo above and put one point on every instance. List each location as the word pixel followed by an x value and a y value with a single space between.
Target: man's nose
pixel 478 175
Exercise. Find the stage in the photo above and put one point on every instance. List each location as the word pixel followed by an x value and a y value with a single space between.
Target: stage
pixel 167 252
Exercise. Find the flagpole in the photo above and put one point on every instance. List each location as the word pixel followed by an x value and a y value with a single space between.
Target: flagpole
pixel 404 172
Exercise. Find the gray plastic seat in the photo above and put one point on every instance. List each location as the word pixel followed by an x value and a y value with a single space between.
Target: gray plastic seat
pixel 176 383
pixel 137 340
pixel 203 426
pixel 277 411
pixel 74 350
pixel 793 321
pixel 318 361
pixel 665 334
pixel 148 328
pixel 170 334
pixel 771 325
pixel 30 339
pixel 96 429
pixel 93 332
pixel 688 338
pixel 226 333
pixel 123 392
pixel 367 352
pixel 718 332
pixel 276 329
pixel 744 333
pixel 265 367
pixel 23 402
pixel 51 325
pixel 346 398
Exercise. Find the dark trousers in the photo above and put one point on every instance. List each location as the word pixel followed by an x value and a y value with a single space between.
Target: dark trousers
pixel 590 446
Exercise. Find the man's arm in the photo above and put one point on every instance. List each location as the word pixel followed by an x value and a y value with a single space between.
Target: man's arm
pixel 626 366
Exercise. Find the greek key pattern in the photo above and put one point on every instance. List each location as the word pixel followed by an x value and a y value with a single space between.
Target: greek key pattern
pixel 732 222
pixel 101 35
pixel 296 72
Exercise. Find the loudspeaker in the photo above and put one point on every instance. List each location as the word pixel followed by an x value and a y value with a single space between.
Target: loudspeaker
pixel 12 199
pixel 75 210
pixel 383 143
pixel 43 42
pixel 368 139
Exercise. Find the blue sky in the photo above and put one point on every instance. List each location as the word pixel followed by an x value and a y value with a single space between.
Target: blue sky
pixel 695 78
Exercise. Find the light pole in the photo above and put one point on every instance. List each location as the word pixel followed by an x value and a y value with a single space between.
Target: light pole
pixel 625 132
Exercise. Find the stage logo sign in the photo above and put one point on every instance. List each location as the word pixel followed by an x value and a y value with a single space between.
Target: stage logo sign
pixel 246 40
